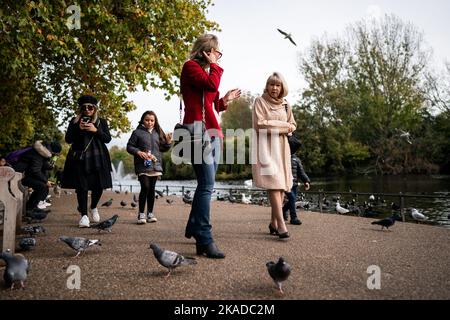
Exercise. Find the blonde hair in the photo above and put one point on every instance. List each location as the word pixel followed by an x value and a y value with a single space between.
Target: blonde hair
pixel 277 78
pixel 203 43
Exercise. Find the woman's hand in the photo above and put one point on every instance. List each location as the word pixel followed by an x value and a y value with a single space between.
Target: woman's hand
pixel 291 128
pixel 211 57
pixel 231 95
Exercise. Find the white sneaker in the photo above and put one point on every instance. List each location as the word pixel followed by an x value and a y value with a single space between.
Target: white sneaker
pixel 142 219
pixel 151 217
pixel 95 215
pixel 42 205
pixel 84 222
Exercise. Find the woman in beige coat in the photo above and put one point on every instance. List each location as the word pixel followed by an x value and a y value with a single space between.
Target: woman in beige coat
pixel 273 121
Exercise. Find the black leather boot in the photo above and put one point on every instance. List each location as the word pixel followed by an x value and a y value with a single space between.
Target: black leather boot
pixel 210 250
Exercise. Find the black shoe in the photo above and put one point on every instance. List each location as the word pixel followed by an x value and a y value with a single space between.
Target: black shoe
pixel 296 222
pixel 210 250
pixel 272 230
pixel 188 234
pixel 284 235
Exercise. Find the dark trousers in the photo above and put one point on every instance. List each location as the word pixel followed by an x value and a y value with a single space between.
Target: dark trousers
pixel 40 192
pixel 147 193
pixel 290 204
pixel 82 197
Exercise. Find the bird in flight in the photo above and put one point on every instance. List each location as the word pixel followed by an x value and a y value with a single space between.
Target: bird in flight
pixel 287 36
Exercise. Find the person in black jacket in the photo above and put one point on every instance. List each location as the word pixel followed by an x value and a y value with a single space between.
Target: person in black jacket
pixel 298 173
pixel 146 144
pixel 36 165
pixel 88 164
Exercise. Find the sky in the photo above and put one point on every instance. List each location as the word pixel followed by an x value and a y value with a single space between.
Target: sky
pixel 252 47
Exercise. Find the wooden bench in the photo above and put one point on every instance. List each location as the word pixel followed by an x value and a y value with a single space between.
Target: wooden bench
pixel 11 203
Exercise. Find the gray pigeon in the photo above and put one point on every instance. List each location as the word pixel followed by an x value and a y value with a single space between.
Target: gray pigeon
pixel 33 230
pixel 108 203
pixel 123 203
pixel 17 268
pixel 135 199
pixel 279 272
pixel 169 201
pixel 106 225
pixel 79 244
pixel 170 259
pixel 27 244
pixel 160 193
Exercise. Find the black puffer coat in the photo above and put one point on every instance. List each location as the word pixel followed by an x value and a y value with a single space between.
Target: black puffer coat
pixel 142 140
pixel 94 171
pixel 298 173
pixel 35 163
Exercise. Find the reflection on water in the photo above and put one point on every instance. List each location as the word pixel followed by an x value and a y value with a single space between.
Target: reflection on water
pixel 437 209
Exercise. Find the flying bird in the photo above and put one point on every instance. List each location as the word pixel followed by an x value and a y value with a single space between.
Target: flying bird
pixel 287 36
pixel 170 259
pixel 27 244
pixel 106 225
pixel 279 272
pixel 108 203
pixel 385 223
pixel 17 268
pixel 79 244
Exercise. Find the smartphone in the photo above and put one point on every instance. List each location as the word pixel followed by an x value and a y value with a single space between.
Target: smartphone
pixel 86 119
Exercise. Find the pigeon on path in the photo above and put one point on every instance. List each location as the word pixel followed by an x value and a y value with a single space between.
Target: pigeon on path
pixel 108 203
pixel 17 268
pixel 79 244
pixel 106 225
pixel 170 259
pixel 33 230
pixel 279 272
pixel 27 244
pixel 385 223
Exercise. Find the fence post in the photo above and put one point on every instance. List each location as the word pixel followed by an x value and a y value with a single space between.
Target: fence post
pixel 167 190
pixel 402 207
pixel 9 218
pixel 320 201
pixel 182 190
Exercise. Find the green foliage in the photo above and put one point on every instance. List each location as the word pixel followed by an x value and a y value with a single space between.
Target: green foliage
pixel 239 113
pixel 121 45
pixel 120 154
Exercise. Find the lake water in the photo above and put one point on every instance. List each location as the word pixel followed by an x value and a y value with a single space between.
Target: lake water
pixel 437 209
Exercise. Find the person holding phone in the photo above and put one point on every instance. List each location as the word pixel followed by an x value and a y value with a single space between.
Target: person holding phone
pixel 200 80
pixel 88 164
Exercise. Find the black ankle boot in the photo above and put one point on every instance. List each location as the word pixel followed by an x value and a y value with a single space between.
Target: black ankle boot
pixel 210 250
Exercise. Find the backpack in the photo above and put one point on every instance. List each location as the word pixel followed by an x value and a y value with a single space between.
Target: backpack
pixel 13 158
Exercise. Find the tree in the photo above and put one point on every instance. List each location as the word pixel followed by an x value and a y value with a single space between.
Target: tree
pixel 239 113
pixel 47 61
pixel 366 92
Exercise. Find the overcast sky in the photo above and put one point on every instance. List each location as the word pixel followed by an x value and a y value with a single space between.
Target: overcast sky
pixel 252 47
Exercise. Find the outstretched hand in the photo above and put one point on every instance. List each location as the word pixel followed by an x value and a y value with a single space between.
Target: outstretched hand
pixel 232 95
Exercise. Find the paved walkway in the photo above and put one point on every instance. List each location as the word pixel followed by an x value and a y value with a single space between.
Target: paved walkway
pixel 330 255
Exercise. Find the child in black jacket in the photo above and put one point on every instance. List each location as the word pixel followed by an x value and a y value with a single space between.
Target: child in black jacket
pixel 298 173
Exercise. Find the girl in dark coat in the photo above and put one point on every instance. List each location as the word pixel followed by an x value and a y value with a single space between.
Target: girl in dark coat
pixel 146 144
pixel 88 164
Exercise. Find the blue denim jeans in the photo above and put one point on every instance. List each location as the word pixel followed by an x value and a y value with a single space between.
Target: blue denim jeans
pixel 199 219
pixel 290 205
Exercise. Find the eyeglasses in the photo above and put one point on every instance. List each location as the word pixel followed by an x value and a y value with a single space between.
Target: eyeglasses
pixel 88 107
pixel 220 54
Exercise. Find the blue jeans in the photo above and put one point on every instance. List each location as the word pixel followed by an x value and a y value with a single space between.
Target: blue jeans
pixel 290 205
pixel 199 219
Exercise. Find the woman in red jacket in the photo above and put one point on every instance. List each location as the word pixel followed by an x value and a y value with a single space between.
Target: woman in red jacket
pixel 200 80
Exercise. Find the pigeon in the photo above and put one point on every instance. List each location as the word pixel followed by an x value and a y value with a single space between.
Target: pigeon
pixel 36 216
pixel 279 272
pixel 170 259
pixel 416 215
pixel 17 268
pixel 108 203
pixel 27 244
pixel 160 193
pixel 117 191
pixel 287 36
pixel 340 209
pixel 372 197
pixel 123 203
pixel 133 204
pixel 187 199
pixel 33 230
pixel 395 206
pixel 57 190
pixel 79 244
pixel 126 191
pixel 385 223
pixel 169 201
pixel 106 225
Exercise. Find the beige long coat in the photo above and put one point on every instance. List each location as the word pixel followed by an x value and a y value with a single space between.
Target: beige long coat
pixel 271 156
